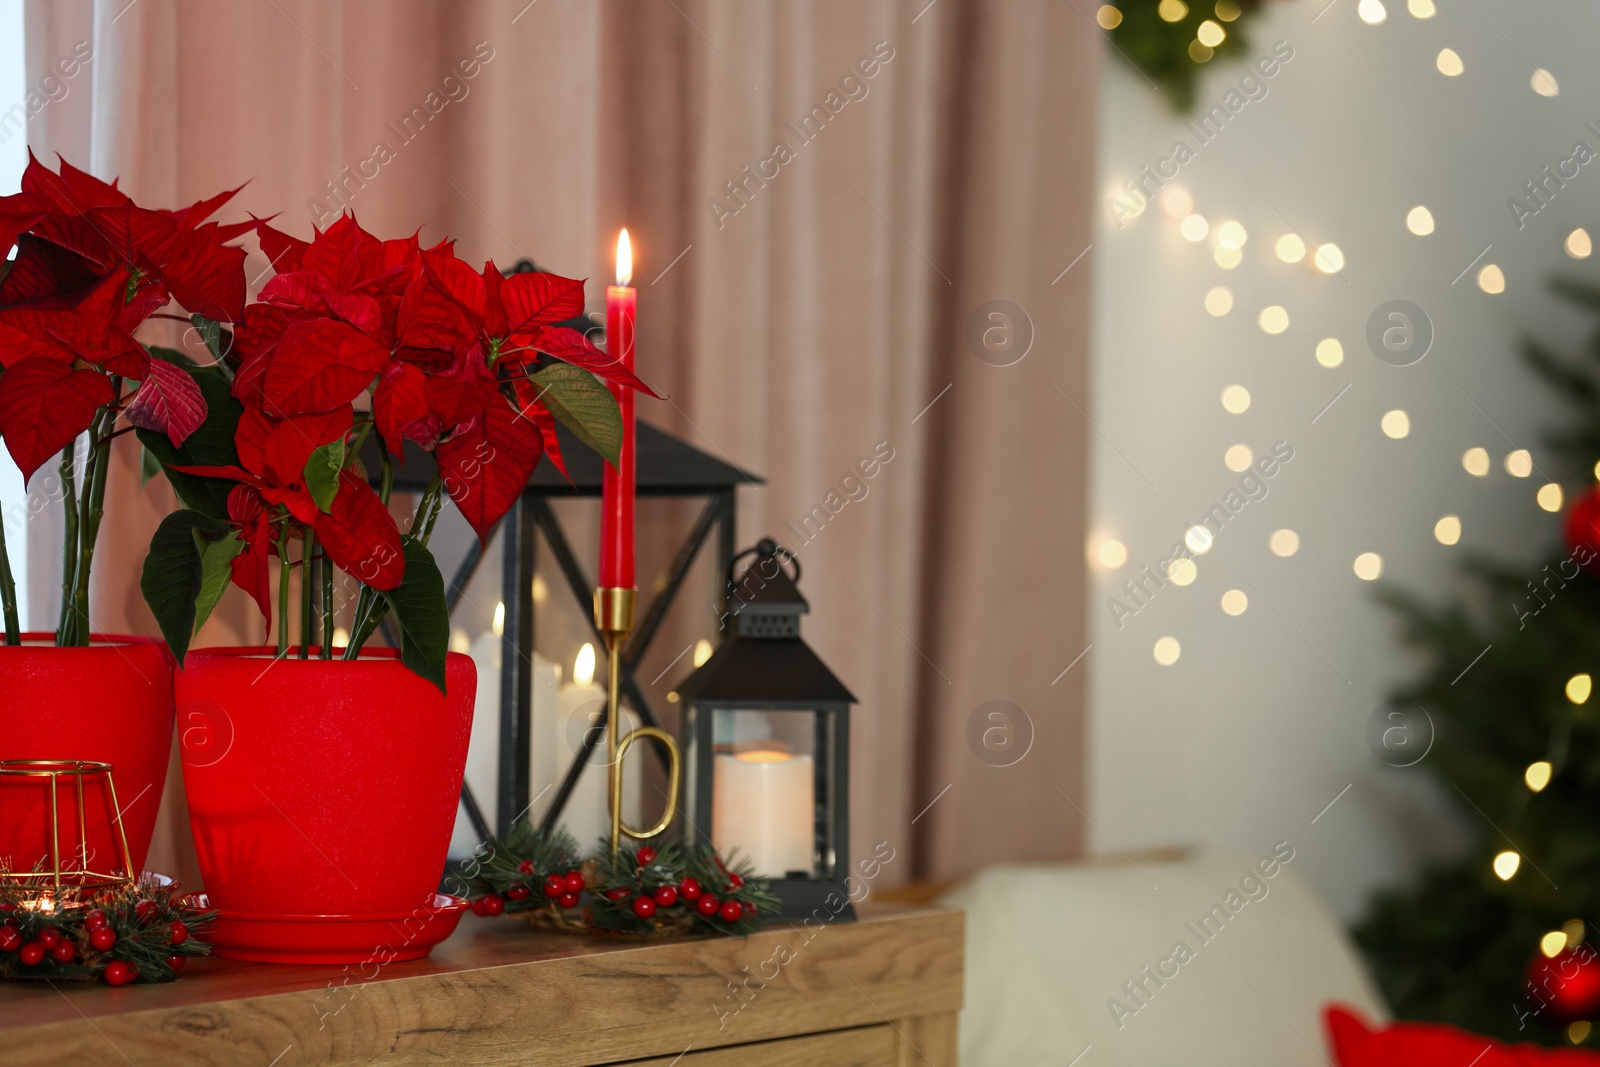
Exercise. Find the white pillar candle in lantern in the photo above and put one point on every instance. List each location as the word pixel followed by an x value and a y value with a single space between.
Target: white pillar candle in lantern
pixel 763 805
pixel 587 815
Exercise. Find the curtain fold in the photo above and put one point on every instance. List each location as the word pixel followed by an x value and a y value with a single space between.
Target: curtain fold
pixel 823 196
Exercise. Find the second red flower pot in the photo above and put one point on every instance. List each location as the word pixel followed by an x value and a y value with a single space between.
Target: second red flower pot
pixel 320 788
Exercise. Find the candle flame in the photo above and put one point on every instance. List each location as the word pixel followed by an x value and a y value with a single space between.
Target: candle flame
pixel 499 623
pixel 765 755
pixel 583 666
pixel 624 259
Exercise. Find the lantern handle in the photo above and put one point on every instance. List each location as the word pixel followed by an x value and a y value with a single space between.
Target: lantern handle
pixel 765 547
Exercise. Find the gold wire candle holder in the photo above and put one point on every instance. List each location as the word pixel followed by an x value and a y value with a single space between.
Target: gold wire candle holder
pixel 69 875
pixel 613 617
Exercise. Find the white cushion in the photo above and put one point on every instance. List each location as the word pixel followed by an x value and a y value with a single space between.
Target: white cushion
pixel 1050 948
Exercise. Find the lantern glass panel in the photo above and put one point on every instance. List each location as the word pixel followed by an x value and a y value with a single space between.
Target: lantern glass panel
pixel 771 795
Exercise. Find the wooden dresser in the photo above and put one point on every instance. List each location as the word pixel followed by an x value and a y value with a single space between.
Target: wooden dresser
pixel 882 992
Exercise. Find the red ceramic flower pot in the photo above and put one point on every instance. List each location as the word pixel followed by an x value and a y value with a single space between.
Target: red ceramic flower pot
pixel 320 787
pixel 111 703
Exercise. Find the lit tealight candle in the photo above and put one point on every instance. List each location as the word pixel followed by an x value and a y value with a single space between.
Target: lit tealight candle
pixel 764 807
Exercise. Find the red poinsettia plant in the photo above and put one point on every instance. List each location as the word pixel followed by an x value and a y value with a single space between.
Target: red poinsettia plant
pixel 86 266
pixel 353 337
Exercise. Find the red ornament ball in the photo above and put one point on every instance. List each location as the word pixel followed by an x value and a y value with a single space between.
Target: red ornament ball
pixel 180 932
pixel 1583 526
pixel 102 938
pixel 665 897
pixel 568 900
pixel 49 937
pixel 689 889
pixel 144 909
pixel 31 953
pixel 708 904
pixel 1568 984
pixel 177 962
pixel 574 882
pixel 494 904
pixel 554 885
pixel 518 892
pixel 526 866
pixel 644 907
pixel 10 939
pixel 647 856
pixel 731 911
pixel 119 973
pixel 64 951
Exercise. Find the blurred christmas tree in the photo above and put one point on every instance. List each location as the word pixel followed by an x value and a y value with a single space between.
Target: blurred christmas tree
pixel 1501 941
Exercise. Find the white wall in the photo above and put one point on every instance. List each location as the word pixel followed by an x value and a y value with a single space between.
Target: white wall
pixel 1261 722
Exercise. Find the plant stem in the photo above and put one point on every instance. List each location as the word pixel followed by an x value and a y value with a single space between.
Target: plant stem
pixel 308 548
pixel 69 554
pixel 326 570
pixel 8 592
pixel 96 469
pixel 375 608
pixel 283 590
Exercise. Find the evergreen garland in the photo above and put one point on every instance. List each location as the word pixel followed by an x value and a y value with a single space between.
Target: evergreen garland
pixel 143 932
pixel 1162 39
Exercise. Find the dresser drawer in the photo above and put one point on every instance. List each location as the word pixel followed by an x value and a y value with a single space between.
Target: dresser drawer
pixel 866 1046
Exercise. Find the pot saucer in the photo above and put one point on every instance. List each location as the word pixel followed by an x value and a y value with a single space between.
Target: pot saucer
pixel 360 939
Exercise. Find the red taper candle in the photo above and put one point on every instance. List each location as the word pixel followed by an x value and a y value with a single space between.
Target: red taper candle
pixel 616 500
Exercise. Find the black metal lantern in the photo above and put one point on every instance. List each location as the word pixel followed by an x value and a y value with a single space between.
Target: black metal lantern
pixel 766 743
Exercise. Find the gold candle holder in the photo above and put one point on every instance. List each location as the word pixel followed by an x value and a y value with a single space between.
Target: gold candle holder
pixel 613 617
pixel 58 885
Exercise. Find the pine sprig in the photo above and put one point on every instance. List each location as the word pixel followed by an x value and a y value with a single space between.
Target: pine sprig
pixel 528 874
pixel 145 918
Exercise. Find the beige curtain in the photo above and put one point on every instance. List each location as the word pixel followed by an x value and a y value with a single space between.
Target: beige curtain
pixel 828 306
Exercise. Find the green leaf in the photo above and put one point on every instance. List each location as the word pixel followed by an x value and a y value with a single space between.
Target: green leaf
pixel 322 474
pixel 218 340
pixel 149 466
pixel 582 403
pixel 215 558
pixel 171 580
pixel 419 609
pixel 210 445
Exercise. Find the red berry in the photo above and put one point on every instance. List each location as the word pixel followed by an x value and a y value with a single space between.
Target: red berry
pixel 644 907
pixel 574 882
pixel 689 889
pixel 49 937
pixel 708 904
pixel 64 951
pixel 177 962
pixel 7 906
pixel 518 892
pixel 93 918
pixel 119 973
pixel 102 938
pixel 477 906
pixel 554 885
pixel 616 894
pixel 749 907
pixel 494 904
pixel 526 866
pixel 568 900
pixel 180 932
pixel 647 856
pixel 31 953
pixel 735 880
pixel 731 911
pixel 144 909
pixel 10 939
pixel 666 896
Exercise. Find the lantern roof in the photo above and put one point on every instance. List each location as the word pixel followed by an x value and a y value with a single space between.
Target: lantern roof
pixel 758 671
